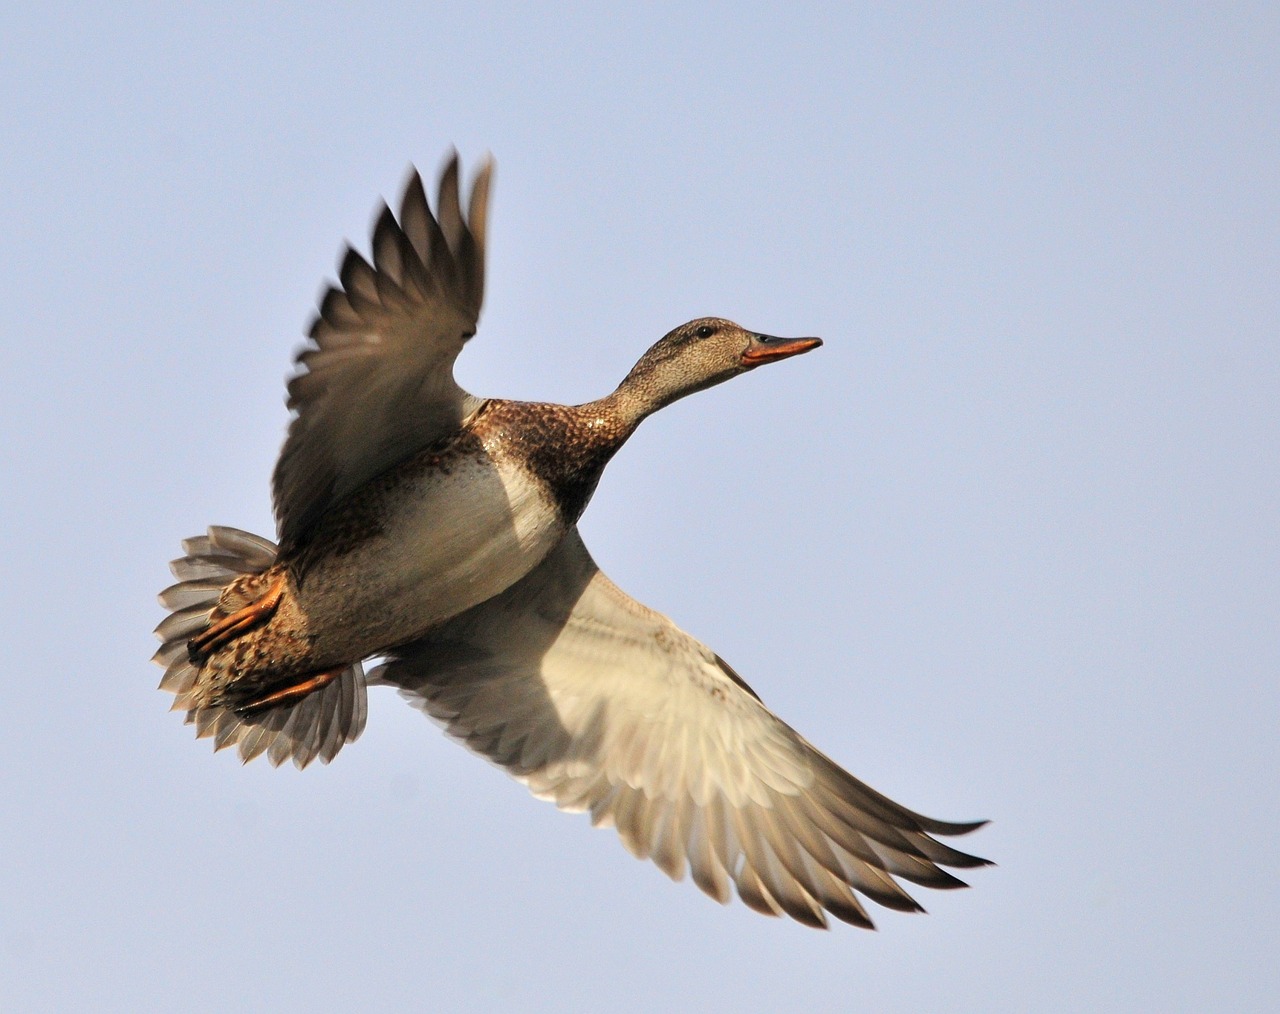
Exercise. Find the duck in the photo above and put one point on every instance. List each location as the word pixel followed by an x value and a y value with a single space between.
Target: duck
pixel 433 534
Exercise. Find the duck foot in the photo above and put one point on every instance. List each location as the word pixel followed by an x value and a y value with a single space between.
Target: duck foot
pixel 230 627
pixel 290 694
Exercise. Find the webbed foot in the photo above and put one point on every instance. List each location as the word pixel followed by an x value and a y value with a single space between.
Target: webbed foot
pixel 230 627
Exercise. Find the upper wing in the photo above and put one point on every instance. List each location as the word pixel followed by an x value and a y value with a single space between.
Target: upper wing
pixel 375 381
pixel 596 702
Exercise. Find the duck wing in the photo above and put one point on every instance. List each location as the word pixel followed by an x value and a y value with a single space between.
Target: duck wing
pixel 598 703
pixel 374 382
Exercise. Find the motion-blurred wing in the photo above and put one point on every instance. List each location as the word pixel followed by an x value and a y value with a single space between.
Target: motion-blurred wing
pixel 375 382
pixel 598 703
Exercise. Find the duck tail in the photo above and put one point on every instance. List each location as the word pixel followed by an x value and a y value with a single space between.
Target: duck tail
pixel 317 725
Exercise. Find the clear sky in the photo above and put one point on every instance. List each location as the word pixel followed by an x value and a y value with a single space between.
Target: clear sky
pixel 1008 546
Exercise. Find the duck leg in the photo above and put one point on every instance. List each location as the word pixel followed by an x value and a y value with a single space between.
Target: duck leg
pixel 230 627
pixel 295 692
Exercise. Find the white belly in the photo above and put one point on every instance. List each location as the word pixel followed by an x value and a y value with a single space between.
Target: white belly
pixel 448 542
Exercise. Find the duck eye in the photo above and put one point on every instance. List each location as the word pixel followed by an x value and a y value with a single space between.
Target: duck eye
pixel 706 331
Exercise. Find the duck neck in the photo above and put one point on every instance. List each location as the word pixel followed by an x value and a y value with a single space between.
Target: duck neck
pixel 583 439
pixel 636 398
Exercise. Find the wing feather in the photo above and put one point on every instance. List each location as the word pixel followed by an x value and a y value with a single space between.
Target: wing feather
pixel 598 703
pixel 374 383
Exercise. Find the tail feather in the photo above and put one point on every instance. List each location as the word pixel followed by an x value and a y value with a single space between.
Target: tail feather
pixel 316 726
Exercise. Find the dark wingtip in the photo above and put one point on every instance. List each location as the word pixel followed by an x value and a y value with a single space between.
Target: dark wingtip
pixel 948 882
pixel 413 185
pixel 352 269
pixel 384 223
pixel 449 171
pixel 959 860
pixel 948 827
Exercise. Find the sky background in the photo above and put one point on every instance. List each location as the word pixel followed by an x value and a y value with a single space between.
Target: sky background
pixel 1008 546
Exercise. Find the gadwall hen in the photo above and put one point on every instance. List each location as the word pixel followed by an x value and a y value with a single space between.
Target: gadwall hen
pixel 436 531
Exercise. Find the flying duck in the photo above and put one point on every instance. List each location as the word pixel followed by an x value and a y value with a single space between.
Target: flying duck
pixel 436 531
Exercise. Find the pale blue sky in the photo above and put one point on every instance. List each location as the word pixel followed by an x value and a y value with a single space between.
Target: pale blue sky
pixel 1006 547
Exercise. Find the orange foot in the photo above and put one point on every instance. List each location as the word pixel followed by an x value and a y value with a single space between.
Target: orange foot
pixel 290 694
pixel 230 627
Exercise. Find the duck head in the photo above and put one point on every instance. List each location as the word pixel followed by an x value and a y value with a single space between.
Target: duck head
pixel 698 355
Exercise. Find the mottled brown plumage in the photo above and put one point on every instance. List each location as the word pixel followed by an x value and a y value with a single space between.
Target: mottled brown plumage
pixel 437 530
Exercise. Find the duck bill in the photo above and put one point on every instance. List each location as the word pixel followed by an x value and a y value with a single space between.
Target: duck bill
pixel 765 348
